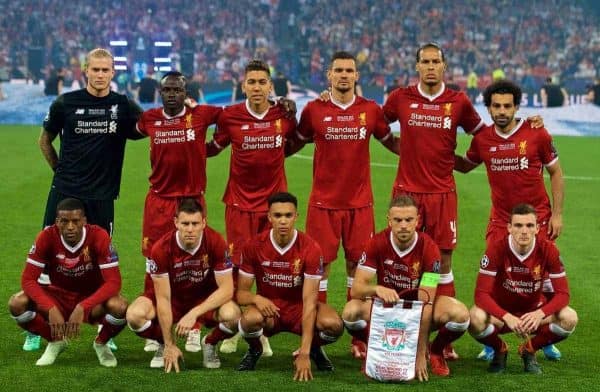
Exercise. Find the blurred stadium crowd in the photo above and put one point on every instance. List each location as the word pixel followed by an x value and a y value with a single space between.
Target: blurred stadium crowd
pixel 528 41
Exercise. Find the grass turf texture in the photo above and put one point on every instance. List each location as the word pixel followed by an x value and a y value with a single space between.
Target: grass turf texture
pixel 25 181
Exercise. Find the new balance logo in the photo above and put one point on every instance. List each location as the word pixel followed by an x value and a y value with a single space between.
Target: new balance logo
pixel 327 119
pixel 414 106
pixel 80 111
pixel 245 127
pixel 157 123
pixel 493 149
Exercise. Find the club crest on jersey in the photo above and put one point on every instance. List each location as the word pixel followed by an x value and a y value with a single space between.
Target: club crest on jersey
pixel 416 269
pixel 297 266
pixel 362 118
pixel 536 272
pixel 188 120
pixel 145 243
pixel 394 335
pixel 85 254
pixel 523 147
pixel 485 261
pixel 448 109
pixel 114 110
pixel 278 125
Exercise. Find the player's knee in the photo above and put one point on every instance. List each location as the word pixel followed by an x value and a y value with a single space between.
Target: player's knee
pixel 352 310
pixel 478 320
pixel 332 326
pixel 229 312
pixel 117 306
pixel 251 320
pixel 135 315
pixel 568 319
pixel 459 313
pixel 18 303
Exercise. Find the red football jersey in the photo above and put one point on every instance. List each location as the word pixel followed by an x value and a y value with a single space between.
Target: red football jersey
pixel 90 268
pixel 256 168
pixel 428 136
pixel 177 149
pixel 280 272
pixel 191 274
pixel 397 269
pixel 515 168
pixel 341 166
pixel 510 282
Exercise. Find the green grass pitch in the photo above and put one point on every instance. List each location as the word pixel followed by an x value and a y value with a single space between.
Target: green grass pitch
pixel 25 179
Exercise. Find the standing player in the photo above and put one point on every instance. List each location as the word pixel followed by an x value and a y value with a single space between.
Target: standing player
pixel 508 293
pixel 514 155
pixel 341 200
pixel 403 259
pixel 287 266
pixel 192 281
pixel 178 160
pixel 257 132
pixel 93 124
pixel 429 115
pixel 84 269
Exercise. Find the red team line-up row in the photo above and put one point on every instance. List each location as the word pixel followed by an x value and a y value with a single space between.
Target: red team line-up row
pixel 191 270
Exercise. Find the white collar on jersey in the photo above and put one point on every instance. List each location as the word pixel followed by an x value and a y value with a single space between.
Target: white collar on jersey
pixel 399 251
pixel 511 132
pixel 75 248
pixel 258 116
pixel 177 115
pixel 279 249
pixel 431 97
pixel 340 105
pixel 516 252
pixel 193 251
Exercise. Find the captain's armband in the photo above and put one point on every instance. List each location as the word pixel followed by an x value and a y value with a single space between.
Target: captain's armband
pixel 430 279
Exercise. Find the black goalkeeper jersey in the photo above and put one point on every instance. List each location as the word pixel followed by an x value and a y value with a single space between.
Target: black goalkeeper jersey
pixel 93 132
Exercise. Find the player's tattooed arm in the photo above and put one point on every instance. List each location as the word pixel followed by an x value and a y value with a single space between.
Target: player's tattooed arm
pixel 47 148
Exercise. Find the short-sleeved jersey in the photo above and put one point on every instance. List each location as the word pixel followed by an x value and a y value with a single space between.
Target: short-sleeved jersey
pixel 428 136
pixel 74 268
pixel 178 149
pixel 341 166
pixel 280 272
pixel 93 131
pixel 400 269
pixel 256 168
pixel 191 273
pixel 515 163
pixel 518 279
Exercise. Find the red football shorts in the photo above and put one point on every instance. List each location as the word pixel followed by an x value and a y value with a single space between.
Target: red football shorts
pixel 353 226
pixel 438 213
pixel 158 218
pixel 65 300
pixel 289 320
pixel 179 309
pixel 242 225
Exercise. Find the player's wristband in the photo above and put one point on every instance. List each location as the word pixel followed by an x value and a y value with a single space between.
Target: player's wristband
pixel 429 279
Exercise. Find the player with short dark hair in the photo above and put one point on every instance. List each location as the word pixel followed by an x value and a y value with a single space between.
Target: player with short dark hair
pixel 258 132
pixel 287 266
pixel 515 155
pixel 403 259
pixel 192 282
pixel 509 296
pixel 84 269
pixel 178 160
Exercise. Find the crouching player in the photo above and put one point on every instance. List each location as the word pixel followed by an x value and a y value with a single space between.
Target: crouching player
pixel 191 275
pixel 287 266
pixel 84 271
pixel 508 293
pixel 402 259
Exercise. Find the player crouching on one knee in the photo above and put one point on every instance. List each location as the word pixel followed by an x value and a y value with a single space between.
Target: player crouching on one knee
pixel 84 271
pixel 287 266
pixel 509 297
pixel 402 259
pixel 191 282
